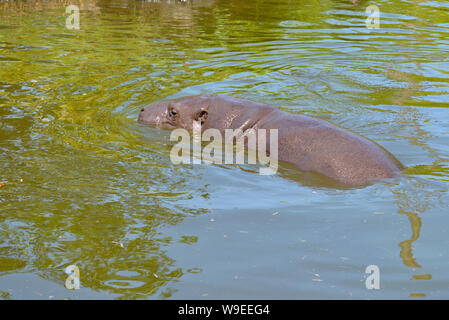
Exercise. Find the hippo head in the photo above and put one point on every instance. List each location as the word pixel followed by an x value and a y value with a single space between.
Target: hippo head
pixel 179 113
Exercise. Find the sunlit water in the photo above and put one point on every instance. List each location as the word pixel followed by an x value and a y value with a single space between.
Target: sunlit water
pixel 82 183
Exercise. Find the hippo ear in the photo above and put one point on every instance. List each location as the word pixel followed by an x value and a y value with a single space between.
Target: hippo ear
pixel 201 116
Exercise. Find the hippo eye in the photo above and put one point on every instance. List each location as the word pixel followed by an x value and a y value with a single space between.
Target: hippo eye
pixel 172 113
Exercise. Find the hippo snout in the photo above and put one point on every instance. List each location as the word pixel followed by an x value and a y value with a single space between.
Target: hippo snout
pixel 152 114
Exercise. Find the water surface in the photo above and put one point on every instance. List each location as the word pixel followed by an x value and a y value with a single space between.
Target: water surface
pixel 82 183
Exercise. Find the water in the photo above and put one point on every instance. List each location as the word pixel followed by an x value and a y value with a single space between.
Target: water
pixel 82 183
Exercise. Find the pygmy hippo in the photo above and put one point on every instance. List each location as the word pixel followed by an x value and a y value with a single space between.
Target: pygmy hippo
pixel 309 143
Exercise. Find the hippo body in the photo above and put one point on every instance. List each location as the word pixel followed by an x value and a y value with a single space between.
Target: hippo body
pixel 309 143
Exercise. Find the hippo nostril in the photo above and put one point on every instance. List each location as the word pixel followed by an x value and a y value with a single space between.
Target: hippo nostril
pixel 142 110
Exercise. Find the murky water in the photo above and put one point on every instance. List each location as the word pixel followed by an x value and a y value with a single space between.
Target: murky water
pixel 82 183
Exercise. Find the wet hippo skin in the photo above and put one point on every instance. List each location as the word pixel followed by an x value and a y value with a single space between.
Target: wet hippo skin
pixel 309 143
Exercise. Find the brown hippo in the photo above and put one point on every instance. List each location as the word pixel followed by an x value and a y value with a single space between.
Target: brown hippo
pixel 311 144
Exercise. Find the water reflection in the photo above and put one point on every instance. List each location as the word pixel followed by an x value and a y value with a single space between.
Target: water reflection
pixel 415 199
pixel 89 186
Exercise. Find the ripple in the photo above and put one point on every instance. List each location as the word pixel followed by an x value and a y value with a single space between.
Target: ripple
pixel 88 185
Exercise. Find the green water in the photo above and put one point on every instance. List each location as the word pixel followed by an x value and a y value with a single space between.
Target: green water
pixel 82 183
